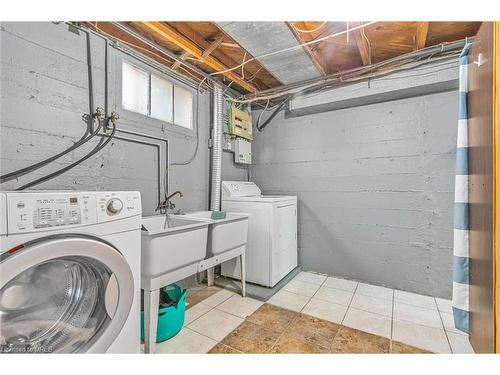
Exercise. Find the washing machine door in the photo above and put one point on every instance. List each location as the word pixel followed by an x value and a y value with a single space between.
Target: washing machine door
pixel 63 294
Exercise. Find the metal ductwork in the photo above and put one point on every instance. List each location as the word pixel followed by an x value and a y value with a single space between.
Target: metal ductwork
pixel 217 133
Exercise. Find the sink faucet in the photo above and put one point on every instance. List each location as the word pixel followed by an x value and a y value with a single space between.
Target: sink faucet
pixel 167 204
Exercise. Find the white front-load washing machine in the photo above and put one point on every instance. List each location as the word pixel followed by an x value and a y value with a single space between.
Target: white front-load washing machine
pixel 70 272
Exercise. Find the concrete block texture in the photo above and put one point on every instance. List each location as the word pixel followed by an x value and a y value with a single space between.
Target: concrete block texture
pixel 375 188
pixel 44 93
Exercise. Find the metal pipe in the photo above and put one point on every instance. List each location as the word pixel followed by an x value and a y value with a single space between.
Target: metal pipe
pixel 218 119
pixel 158 153
pixel 173 56
pixel 429 51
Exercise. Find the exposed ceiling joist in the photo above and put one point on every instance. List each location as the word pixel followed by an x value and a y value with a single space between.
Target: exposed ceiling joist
pixel 421 37
pixel 183 56
pixel 362 43
pixel 316 59
pixel 212 42
pixel 213 45
pixel 161 31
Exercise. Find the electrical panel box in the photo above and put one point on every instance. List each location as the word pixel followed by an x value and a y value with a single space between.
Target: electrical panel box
pixel 242 151
pixel 240 123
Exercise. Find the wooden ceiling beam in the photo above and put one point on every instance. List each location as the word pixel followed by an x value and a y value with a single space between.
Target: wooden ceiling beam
pixel 315 58
pixel 185 28
pixel 213 45
pixel 176 64
pixel 421 36
pixel 163 31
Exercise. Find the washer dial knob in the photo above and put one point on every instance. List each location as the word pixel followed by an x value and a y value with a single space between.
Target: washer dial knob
pixel 114 206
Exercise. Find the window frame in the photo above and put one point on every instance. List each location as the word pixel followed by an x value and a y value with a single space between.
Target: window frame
pixel 139 117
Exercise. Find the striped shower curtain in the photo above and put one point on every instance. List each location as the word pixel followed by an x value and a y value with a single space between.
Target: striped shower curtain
pixel 461 216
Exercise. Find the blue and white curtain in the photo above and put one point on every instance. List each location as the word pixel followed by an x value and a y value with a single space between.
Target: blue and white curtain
pixel 461 216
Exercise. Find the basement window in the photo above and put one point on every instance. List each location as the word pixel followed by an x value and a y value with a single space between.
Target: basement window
pixel 155 97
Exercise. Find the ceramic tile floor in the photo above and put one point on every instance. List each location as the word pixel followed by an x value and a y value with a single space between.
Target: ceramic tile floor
pixel 315 313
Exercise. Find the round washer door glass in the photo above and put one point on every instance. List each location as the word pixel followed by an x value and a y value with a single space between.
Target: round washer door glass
pixel 62 303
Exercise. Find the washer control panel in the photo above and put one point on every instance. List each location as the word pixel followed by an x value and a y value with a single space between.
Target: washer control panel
pixel 33 211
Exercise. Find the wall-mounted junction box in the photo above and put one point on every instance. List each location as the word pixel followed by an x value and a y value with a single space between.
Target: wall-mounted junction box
pixel 240 123
pixel 242 151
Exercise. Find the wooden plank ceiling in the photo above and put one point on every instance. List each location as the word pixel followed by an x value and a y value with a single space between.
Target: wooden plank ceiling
pixel 209 48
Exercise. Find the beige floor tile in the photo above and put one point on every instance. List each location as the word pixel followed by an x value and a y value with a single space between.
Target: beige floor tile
pixel 449 324
pixel 218 298
pixel 419 336
pixel 350 340
pixel 312 329
pixel 197 296
pixel 215 324
pixel 186 341
pixel 223 349
pixel 195 312
pixel 343 284
pixel 418 315
pixel 400 348
pixel 310 277
pixel 292 344
pixel 374 291
pixel 341 297
pixel 249 337
pixel 460 344
pixel 273 317
pixel 444 305
pixel 375 305
pixel 415 299
pixel 289 300
pixel 325 310
pixel 368 322
pixel 240 306
pixel 301 287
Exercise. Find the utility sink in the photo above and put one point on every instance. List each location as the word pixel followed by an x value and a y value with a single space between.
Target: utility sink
pixel 223 234
pixel 170 242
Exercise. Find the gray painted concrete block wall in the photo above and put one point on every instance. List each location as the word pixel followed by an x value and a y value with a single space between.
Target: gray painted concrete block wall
pixel 375 183
pixel 375 189
pixel 43 96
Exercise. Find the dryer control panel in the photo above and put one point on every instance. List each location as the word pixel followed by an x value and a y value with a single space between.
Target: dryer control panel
pixel 33 211
pixel 231 189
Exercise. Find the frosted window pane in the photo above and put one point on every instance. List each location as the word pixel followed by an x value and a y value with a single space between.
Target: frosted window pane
pixel 135 89
pixel 161 99
pixel 183 107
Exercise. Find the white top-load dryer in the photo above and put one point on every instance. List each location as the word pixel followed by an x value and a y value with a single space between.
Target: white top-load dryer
pixel 271 251
pixel 70 272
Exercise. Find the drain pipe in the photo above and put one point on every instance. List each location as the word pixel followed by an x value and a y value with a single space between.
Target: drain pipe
pixel 216 175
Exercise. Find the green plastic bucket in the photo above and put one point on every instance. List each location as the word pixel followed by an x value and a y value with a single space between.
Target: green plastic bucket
pixel 171 318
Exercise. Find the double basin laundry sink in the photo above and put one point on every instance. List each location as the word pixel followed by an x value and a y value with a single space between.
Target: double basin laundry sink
pixel 170 242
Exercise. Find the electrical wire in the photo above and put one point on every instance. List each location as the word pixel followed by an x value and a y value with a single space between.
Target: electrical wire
pixel 365 72
pixel 94 151
pixel 87 135
pixel 193 156
pixel 362 32
pixel 133 45
pixel 329 85
pixel 298 46
pixel 311 30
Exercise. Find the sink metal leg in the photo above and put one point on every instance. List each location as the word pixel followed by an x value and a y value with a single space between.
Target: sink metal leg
pixel 210 276
pixel 243 274
pixel 151 304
